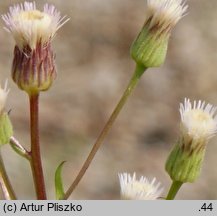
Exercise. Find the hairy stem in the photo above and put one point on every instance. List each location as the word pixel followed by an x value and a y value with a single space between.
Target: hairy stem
pixel 132 84
pixel 36 164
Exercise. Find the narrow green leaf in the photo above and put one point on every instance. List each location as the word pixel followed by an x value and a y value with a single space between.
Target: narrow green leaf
pixel 58 182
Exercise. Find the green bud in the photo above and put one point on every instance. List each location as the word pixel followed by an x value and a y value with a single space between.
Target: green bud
pixel 6 130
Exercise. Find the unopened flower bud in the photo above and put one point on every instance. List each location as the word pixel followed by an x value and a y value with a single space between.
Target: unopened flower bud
pixel 198 125
pixel 150 47
pixel 34 67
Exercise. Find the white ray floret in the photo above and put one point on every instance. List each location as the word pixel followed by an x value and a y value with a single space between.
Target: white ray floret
pixel 30 26
pixel 141 189
pixel 166 13
pixel 199 119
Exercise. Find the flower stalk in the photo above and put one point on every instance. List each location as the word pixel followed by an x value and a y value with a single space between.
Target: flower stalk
pixel 36 163
pixel 176 185
pixel 132 84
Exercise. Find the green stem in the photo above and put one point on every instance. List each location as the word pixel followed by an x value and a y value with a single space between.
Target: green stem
pixel 35 154
pixel 132 84
pixel 176 185
pixel 5 182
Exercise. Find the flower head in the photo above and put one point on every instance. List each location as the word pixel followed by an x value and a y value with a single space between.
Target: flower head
pixel 33 67
pixel 150 47
pixel 3 96
pixel 198 125
pixel 30 26
pixel 142 189
pixel 198 120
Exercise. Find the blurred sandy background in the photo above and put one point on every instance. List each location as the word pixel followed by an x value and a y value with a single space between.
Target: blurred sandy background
pixel 94 67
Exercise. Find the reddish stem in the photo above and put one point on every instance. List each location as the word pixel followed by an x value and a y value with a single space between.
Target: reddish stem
pixel 36 164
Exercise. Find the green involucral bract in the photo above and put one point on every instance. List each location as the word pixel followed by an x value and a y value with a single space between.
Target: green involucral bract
pixel 184 166
pixel 149 49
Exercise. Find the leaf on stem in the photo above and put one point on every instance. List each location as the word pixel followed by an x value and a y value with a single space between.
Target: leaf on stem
pixel 19 149
pixel 58 182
